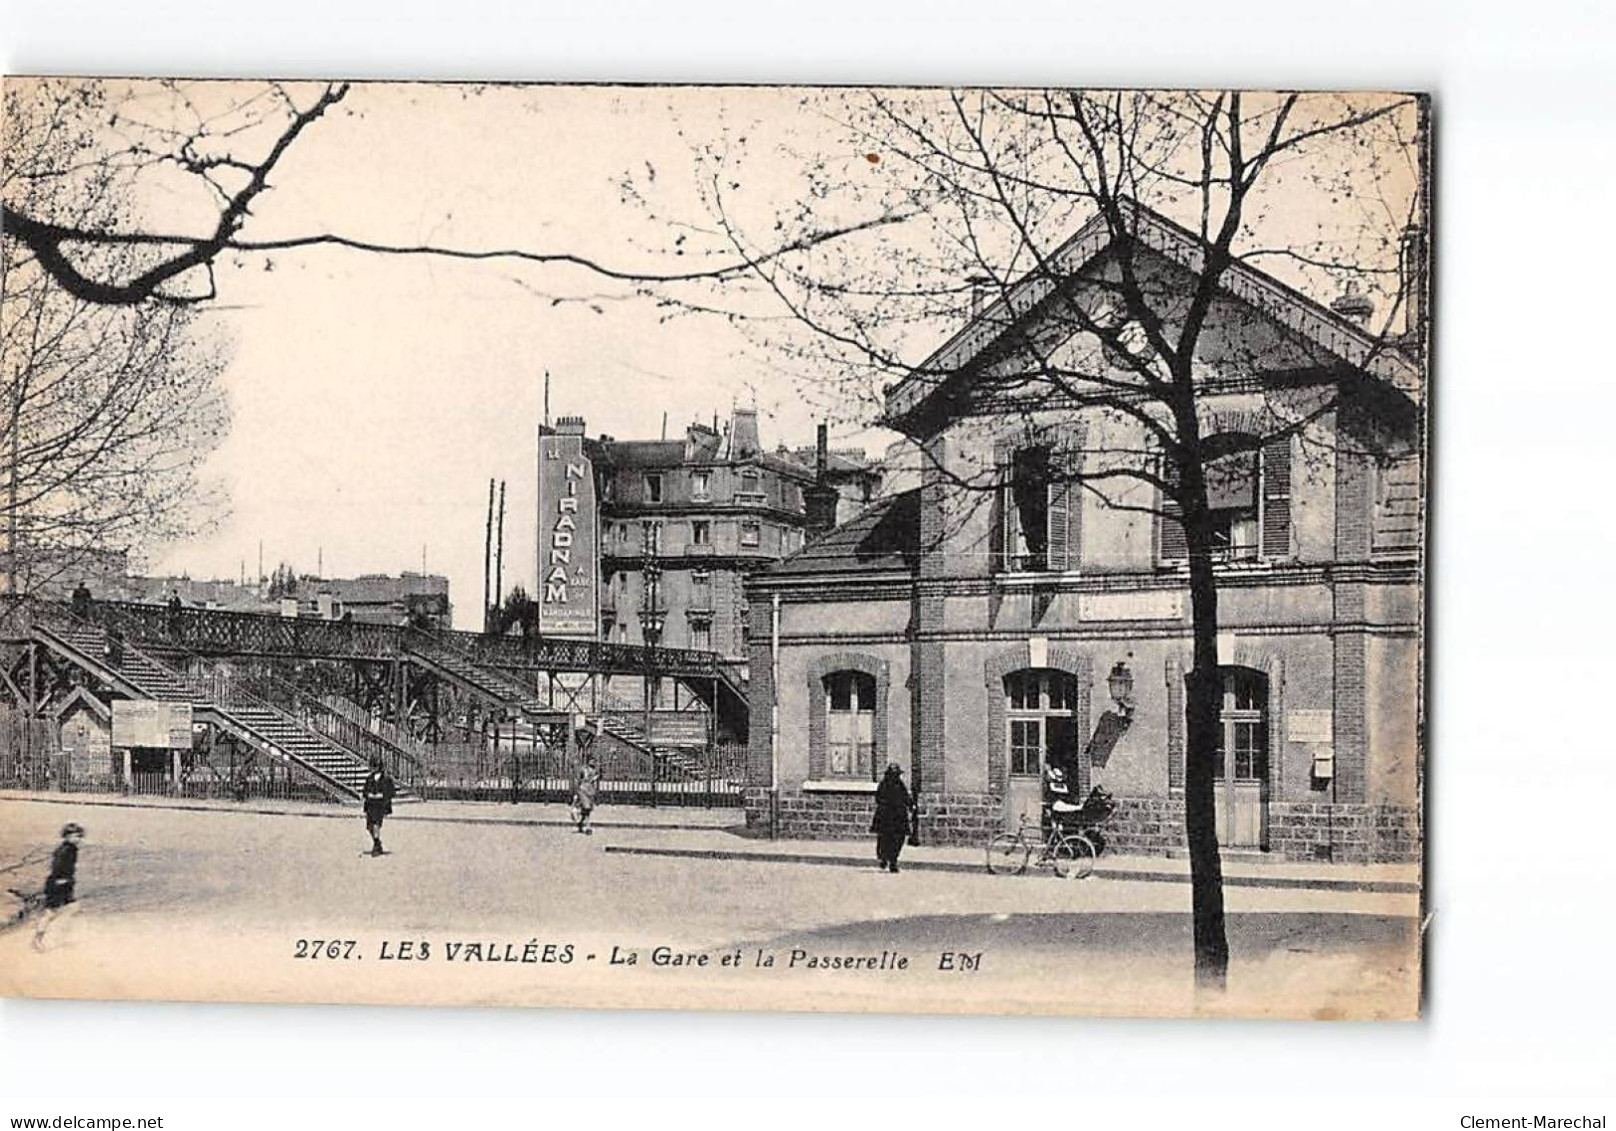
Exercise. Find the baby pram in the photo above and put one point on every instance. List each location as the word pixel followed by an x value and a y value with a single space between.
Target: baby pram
pixel 1086 818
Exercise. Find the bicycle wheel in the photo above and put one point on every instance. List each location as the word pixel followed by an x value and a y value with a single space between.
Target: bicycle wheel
pixel 1073 856
pixel 1007 854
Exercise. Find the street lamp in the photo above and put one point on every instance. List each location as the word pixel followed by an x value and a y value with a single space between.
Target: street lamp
pixel 1120 684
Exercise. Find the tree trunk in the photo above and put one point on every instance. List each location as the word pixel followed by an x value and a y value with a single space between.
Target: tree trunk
pixel 1203 740
pixel 1204 735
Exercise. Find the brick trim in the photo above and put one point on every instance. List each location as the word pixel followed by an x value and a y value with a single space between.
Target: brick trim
pixel 1061 657
pixel 1271 664
pixel 869 665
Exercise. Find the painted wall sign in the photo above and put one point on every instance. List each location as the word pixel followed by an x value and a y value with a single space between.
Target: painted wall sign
pixel 150 722
pixel 569 543
pixel 1153 604
pixel 1310 726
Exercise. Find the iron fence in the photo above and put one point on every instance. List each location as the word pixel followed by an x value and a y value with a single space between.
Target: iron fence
pixel 65 773
pixel 527 770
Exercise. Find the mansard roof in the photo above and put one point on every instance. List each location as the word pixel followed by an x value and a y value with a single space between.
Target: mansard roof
pixel 1313 321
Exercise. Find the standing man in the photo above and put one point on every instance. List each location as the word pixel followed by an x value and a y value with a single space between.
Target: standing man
pixel 378 802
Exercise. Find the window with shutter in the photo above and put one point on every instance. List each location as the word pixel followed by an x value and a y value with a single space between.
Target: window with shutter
pixel 1276 496
pixel 1171 546
pixel 1232 488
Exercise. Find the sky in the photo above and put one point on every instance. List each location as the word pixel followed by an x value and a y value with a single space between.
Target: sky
pixel 373 396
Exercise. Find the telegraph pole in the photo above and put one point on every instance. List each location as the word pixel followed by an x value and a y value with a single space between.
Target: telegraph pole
pixel 488 552
pixel 499 552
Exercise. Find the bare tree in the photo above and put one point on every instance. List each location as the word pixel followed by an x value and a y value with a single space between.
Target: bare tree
pixel 109 411
pixel 1133 329
pixel 224 158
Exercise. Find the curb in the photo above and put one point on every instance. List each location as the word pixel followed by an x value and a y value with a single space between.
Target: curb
pixel 1323 883
pixel 347 813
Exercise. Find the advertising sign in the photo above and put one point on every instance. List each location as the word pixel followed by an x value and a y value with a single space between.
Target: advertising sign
pixel 149 722
pixel 569 545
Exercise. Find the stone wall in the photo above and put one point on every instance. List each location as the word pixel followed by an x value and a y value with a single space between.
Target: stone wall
pixel 1351 834
pixel 1302 831
pixel 946 819
pixel 1141 826
pixel 960 818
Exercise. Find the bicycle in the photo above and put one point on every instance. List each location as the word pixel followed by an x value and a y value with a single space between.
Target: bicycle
pixel 1064 853
pixel 30 904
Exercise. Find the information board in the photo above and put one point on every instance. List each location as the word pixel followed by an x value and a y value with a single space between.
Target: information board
pixel 151 723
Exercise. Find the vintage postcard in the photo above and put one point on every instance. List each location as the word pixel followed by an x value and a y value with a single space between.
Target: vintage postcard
pixel 714 547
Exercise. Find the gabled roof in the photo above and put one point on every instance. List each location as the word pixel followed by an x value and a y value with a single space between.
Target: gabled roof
pixel 1313 321
pixel 90 701
pixel 885 536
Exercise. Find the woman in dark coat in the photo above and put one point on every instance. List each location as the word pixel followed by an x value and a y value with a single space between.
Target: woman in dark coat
pixel 378 803
pixel 893 807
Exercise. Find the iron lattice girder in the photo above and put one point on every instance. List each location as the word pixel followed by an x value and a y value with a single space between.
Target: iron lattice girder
pixel 217 632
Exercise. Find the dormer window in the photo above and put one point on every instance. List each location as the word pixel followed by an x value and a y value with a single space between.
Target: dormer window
pixel 653 488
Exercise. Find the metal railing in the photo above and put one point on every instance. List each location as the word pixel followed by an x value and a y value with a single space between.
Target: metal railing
pixel 256 687
pixel 206 690
pixel 525 769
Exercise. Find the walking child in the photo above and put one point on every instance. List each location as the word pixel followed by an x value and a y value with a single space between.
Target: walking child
pixel 60 883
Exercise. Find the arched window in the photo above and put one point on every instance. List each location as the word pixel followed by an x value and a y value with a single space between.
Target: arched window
pixel 1040 705
pixel 850 724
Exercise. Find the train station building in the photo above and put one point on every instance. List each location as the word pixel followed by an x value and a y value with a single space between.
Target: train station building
pixel 998 617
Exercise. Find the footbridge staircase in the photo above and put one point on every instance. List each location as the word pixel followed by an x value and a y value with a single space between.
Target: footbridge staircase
pixel 331 752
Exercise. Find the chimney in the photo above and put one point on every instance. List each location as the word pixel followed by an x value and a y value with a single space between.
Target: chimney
pixel 981 289
pixel 701 442
pixel 1411 272
pixel 820 498
pixel 569 426
pixel 1353 306
pixel 743 434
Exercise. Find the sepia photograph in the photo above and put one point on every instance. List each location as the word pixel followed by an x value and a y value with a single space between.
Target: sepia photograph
pixel 716 547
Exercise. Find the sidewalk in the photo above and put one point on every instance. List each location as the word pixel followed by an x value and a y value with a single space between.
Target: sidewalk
pixel 725 845
pixel 675 818
pixel 719 835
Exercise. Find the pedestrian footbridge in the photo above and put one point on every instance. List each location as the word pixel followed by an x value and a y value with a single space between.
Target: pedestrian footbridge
pixel 317 700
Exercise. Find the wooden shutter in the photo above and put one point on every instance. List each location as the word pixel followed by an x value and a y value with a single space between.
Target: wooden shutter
pixel 1065 505
pixel 1060 491
pixel 1002 512
pixel 1171 546
pixel 1175 723
pixel 1276 499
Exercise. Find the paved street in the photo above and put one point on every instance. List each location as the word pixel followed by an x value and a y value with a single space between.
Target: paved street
pixel 204 902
